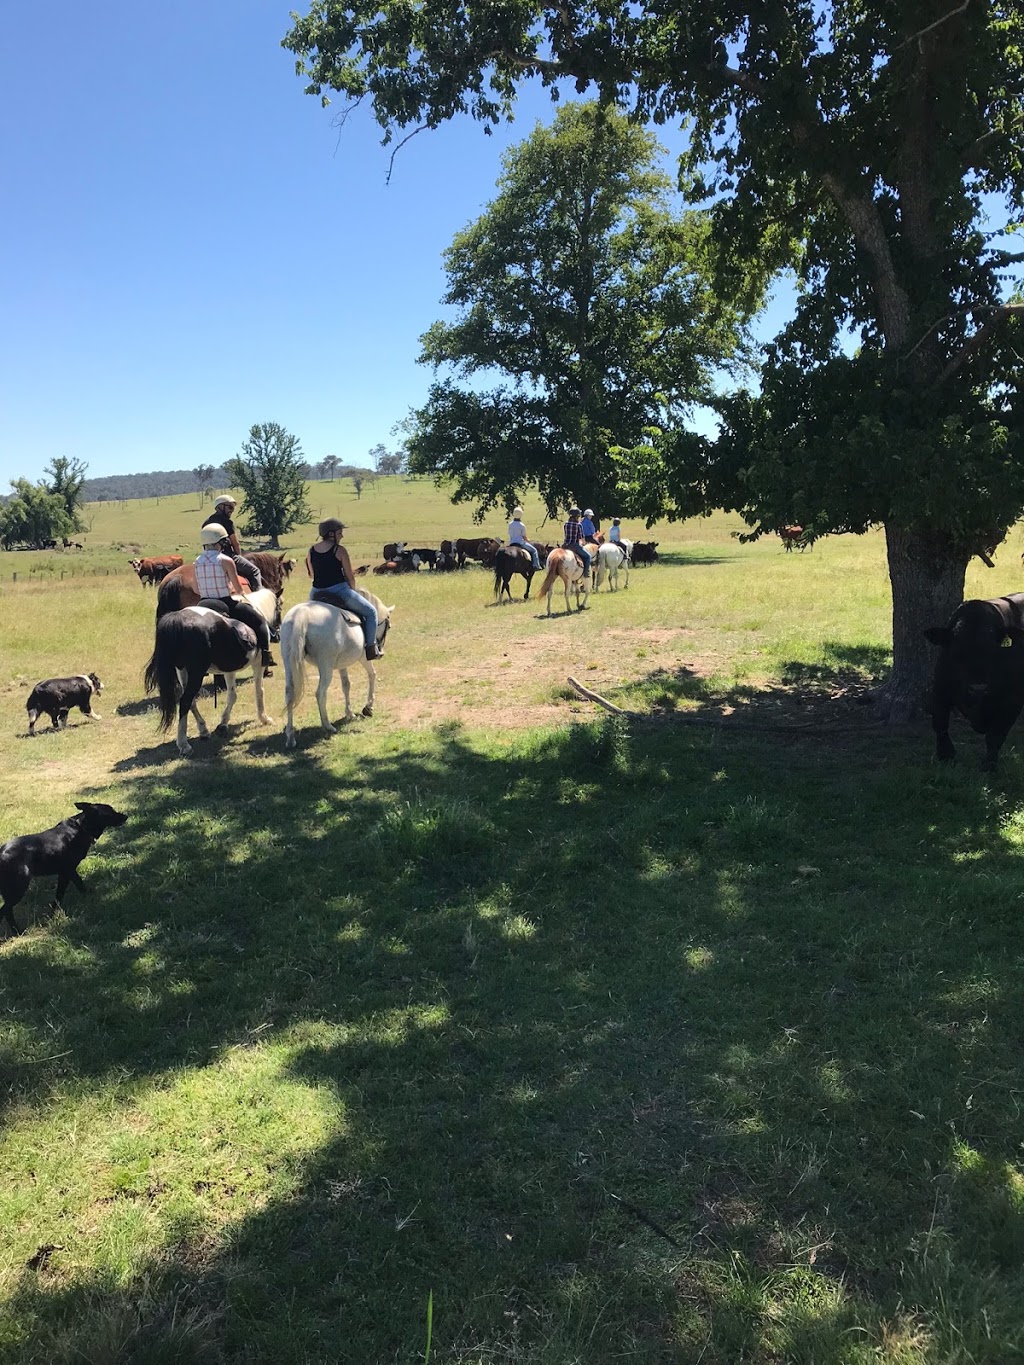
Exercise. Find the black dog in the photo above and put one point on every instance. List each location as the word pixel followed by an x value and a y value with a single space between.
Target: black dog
pixel 56 852
pixel 56 696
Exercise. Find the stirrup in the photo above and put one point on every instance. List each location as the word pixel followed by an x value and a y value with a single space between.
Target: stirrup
pixel 373 652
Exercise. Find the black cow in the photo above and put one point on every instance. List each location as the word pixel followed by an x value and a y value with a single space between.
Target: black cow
pixel 428 557
pixel 56 696
pixel 644 552
pixel 979 672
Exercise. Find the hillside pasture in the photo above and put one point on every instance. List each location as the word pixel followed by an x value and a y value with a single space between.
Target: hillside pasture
pixel 639 1038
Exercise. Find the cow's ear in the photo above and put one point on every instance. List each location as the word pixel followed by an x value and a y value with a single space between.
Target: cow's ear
pixel 938 635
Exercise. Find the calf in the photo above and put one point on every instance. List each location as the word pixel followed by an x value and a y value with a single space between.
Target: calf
pixel 56 853
pixel 156 570
pixel 979 672
pixel 56 697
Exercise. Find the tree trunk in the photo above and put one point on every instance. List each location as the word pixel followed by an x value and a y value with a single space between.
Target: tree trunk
pixel 927 575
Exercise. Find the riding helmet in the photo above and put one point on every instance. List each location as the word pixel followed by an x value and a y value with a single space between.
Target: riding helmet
pixel 574 511
pixel 213 534
pixel 517 511
pixel 589 512
pixel 329 527
pixel 225 500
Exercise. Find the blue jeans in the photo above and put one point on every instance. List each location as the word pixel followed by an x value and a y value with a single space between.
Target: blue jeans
pixel 584 554
pixel 532 549
pixel 341 595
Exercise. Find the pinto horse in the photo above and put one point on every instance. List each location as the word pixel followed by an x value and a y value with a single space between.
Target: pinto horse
pixel 332 638
pixel 189 644
pixel 509 560
pixel 563 566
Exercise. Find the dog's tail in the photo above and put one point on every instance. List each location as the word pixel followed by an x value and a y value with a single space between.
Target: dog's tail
pixel 161 671
pixel 293 651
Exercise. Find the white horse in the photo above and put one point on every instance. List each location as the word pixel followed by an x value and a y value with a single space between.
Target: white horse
pixel 332 638
pixel 611 558
pixel 563 565
pixel 198 640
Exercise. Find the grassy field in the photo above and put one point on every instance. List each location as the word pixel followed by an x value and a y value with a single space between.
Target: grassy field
pixel 642 1039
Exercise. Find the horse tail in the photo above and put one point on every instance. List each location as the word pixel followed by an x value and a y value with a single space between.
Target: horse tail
pixel 293 649
pixel 161 671
pixel 497 576
pixel 550 579
pixel 168 597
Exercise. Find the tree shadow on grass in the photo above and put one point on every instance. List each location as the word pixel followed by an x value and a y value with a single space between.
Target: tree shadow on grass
pixel 640 1042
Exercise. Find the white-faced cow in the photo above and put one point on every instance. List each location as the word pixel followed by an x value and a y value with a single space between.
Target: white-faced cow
pixel 979 672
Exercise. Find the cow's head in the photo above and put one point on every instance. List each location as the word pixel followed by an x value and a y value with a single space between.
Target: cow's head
pixel 974 642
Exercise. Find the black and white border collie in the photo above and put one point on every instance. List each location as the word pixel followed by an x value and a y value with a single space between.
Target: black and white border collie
pixel 56 697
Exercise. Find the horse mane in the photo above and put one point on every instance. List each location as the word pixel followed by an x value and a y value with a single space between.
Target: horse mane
pixel 383 612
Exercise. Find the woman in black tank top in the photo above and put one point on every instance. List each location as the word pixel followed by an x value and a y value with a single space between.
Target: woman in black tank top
pixel 330 568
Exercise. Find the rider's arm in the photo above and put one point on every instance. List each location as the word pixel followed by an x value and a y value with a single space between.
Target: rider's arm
pixel 309 567
pixel 228 565
pixel 342 556
pixel 234 543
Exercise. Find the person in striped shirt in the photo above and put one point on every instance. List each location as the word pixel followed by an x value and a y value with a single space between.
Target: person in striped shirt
pixel 218 582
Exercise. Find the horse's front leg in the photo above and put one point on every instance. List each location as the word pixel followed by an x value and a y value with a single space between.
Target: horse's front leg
pixel 321 698
pixel 371 677
pixel 346 689
pixel 261 709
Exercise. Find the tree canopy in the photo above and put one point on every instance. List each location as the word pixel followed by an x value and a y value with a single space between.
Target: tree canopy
pixel 271 473
pixel 592 300
pixel 66 477
pixel 861 145
pixel 34 515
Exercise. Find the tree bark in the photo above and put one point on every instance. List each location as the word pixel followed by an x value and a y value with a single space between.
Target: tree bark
pixel 926 571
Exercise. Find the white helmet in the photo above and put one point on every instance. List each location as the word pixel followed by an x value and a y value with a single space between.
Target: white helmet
pixel 517 511
pixel 213 534
pixel 225 500
pixel 589 512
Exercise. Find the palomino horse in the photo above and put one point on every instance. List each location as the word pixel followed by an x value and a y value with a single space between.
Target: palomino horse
pixel 564 566
pixel 332 638
pixel 512 559
pixel 610 559
pixel 198 640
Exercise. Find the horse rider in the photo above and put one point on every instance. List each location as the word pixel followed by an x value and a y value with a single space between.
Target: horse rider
pixel 517 535
pixel 615 536
pixel 588 524
pixel 572 539
pixel 223 511
pixel 329 566
pixel 217 581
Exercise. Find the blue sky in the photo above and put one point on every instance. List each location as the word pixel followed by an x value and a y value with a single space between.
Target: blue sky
pixel 189 245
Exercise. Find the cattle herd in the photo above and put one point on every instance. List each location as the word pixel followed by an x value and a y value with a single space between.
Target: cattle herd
pixel 454 554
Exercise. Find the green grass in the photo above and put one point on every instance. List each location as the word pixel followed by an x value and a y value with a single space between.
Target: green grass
pixel 609 1038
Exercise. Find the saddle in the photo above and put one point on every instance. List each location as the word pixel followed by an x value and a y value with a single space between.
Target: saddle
pixel 349 617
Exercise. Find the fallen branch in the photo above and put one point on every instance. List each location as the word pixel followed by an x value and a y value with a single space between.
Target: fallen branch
pixel 586 693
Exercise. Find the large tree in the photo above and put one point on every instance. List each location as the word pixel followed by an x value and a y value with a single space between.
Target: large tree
pixel 593 301
pixel 66 477
pixel 855 141
pixel 33 515
pixel 271 473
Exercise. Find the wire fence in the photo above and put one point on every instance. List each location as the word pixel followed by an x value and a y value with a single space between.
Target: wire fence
pixel 46 574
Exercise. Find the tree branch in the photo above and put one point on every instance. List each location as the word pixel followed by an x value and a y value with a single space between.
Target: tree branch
pixel 945 18
pixel 975 342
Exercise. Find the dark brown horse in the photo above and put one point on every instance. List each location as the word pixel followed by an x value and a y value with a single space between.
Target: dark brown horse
pixel 179 589
pixel 509 560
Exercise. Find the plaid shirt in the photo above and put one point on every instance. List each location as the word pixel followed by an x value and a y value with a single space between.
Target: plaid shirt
pixel 211 578
pixel 572 533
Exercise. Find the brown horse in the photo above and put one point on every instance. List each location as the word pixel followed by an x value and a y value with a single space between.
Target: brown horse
pixel 510 560
pixel 179 588
pixel 563 566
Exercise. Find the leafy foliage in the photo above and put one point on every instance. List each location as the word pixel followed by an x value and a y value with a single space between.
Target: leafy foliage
pixel 582 288
pixel 34 515
pixel 272 474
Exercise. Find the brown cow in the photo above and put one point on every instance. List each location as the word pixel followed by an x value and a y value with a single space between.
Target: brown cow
pixel 795 535
pixel 483 548
pixel 155 570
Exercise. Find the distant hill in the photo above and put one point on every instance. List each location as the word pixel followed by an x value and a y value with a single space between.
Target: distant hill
pixel 162 483
pixel 166 483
